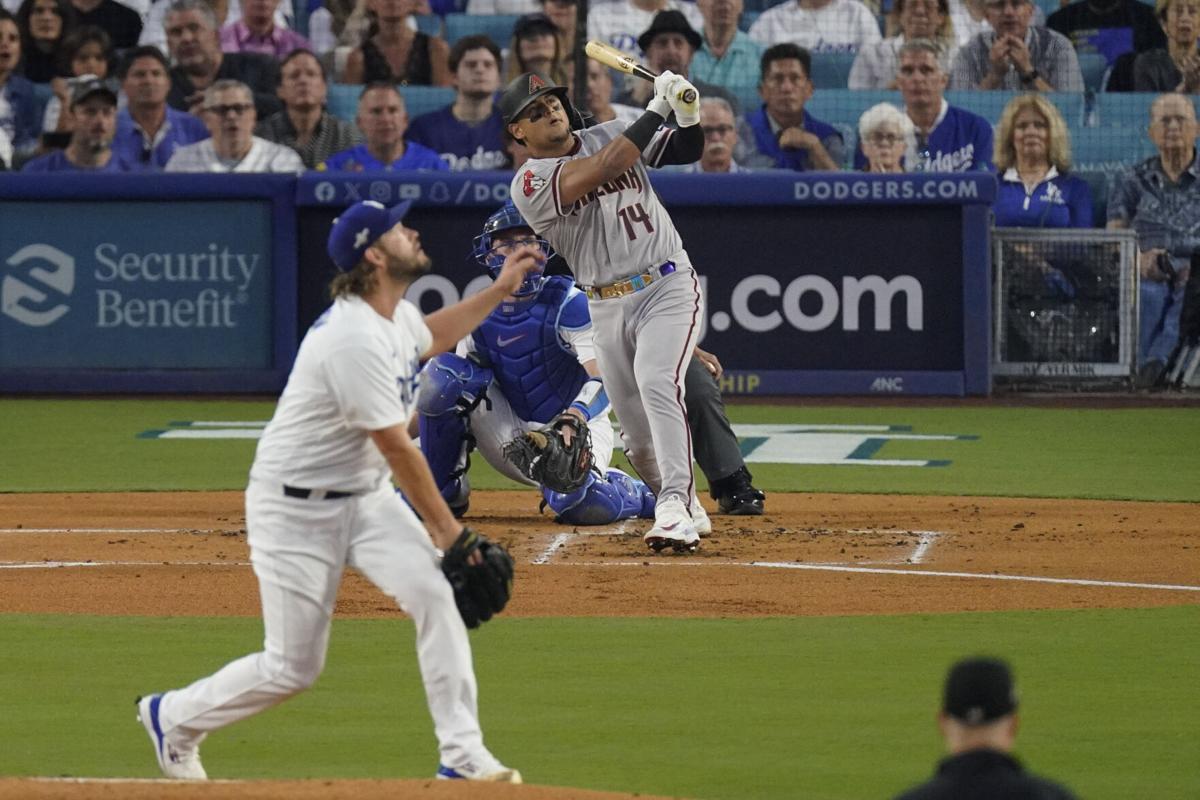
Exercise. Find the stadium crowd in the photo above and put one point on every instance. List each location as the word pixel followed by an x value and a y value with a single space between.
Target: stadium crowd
pixel 1005 86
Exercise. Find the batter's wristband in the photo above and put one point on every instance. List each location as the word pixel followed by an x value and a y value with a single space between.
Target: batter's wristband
pixel 642 130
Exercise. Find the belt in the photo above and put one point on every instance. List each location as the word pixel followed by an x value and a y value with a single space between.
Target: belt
pixel 314 494
pixel 629 285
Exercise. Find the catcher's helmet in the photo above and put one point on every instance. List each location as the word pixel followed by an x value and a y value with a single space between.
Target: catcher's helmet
pixel 485 252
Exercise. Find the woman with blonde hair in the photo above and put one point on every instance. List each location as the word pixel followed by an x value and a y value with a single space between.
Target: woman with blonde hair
pixel 887 137
pixel 1177 68
pixel 1033 156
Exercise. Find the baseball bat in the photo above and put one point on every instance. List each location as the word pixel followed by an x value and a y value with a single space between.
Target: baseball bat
pixel 610 56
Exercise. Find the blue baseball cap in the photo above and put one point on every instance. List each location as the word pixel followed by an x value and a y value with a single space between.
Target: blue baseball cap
pixel 359 227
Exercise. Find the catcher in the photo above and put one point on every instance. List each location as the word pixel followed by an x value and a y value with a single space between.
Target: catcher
pixel 525 390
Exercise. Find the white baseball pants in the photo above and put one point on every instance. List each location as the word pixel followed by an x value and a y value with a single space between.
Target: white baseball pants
pixel 299 548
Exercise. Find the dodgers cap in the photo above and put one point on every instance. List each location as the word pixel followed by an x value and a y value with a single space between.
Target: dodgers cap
pixel 359 227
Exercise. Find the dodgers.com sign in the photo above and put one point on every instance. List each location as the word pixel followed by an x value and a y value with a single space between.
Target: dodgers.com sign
pixel 135 285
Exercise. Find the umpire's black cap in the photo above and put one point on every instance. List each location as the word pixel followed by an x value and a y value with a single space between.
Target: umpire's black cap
pixel 979 691
pixel 524 89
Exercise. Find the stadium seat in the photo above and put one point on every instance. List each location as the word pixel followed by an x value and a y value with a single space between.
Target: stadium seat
pixel 747 19
pixel 42 92
pixel 990 105
pixel 831 70
pixel 1109 149
pixel 1099 184
pixel 1124 109
pixel 429 24
pixel 343 99
pixel 845 106
pixel 497 27
pixel 1093 66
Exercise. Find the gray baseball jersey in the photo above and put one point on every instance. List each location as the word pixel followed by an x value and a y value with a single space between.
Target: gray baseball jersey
pixel 619 230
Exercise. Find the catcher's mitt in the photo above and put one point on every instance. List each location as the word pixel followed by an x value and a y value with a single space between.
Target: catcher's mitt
pixel 546 457
pixel 483 589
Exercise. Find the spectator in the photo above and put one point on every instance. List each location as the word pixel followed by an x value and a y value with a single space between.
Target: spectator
pixel 148 130
pixel 304 125
pixel 230 117
pixel 194 46
pixel 819 26
pixel 337 22
pixel 122 24
pixel 1108 27
pixel 396 53
pixel 669 44
pixel 783 131
pixel 949 139
pixel 94 108
pixel 720 128
pixel 1015 55
pixel 1174 66
pixel 85 52
pixel 563 14
pixel 468 132
pixel 887 137
pixel 1033 155
pixel 979 724
pixel 43 25
pixel 1160 199
pixel 18 106
pixel 621 22
pixel 383 120
pixel 226 12
pixel 727 57
pixel 875 65
pixel 256 32
pixel 534 48
pixel 599 96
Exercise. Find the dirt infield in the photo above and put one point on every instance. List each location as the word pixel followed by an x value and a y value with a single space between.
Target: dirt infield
pixel 809 555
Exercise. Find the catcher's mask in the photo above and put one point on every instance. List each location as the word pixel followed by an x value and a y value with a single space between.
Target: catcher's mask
pixel 529 86
pixel 488 250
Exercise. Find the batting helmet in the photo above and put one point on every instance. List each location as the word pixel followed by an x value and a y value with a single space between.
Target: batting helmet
pixel 505 219
pixel 529 86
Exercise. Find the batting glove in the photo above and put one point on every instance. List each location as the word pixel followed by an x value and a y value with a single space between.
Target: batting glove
pixel 659 103
pixel 686 114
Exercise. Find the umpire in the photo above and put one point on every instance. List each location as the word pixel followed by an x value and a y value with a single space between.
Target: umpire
pixel 979 723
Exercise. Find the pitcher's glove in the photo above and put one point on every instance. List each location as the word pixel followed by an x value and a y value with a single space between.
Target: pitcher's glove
pixel 546 457
pixel 483 589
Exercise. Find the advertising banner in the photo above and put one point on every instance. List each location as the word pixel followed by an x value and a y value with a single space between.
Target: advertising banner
pixel 136 285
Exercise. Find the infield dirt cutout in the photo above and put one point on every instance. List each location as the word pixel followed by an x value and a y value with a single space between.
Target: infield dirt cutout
pixel 809 555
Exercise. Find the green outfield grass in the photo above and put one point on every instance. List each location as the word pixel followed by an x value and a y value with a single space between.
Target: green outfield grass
pixel 1139 454
pixel 769 708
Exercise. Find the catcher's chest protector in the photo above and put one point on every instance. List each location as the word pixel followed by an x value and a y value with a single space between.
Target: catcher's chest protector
pixel 538 375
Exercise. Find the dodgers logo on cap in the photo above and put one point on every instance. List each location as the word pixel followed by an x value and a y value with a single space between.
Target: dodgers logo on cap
pixel 359 227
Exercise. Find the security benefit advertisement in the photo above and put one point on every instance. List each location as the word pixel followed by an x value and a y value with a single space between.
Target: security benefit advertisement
pixel 135 285
pixel 810 288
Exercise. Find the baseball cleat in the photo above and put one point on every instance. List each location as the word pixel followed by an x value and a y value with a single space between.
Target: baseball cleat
pixel 673 528
pixel 737 496
pixel 700 520
pixel 175 762
pixel 485 770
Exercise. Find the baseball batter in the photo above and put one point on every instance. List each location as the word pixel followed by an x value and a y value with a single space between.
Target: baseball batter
pixel 320 499
pixel 587 192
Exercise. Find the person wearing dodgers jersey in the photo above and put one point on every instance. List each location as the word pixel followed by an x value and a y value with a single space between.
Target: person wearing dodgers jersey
pixel 587 192
pixel 320 498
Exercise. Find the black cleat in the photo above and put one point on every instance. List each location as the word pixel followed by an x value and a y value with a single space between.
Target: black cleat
pixel 736 496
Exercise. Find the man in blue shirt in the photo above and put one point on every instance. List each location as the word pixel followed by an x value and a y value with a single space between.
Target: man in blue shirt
pixel 949 139
pixel 382 119
pixel 149 130
pixel 469 133
pixel 788 137
pixel 94 107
